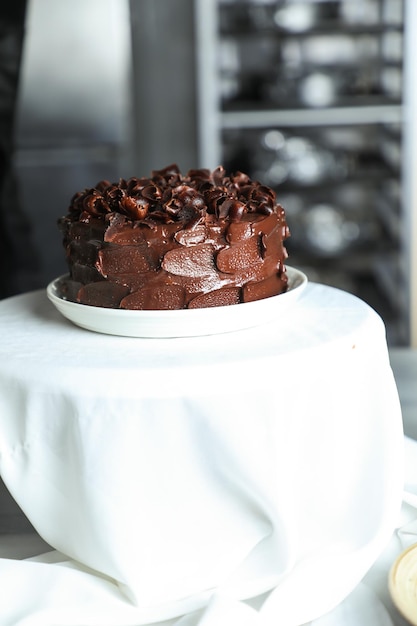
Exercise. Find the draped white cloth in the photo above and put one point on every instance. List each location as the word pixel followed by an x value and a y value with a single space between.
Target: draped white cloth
pixel 175 478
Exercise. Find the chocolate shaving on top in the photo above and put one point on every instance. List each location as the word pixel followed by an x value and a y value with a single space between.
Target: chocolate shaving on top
pixel 168 196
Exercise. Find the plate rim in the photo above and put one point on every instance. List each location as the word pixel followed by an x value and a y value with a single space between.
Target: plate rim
pixel 74 310
pixel 51 291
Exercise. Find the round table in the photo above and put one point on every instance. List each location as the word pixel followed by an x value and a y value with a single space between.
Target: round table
pixel 181 476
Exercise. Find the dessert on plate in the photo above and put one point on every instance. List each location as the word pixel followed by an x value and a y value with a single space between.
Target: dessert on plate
pixel 186 479
pixel 174 241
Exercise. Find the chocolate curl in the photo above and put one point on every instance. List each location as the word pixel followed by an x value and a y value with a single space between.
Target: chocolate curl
pixel 151 192
pixel 113 196
pixel 214 198
pixel 232 209
pixel 187 205
pixel 136 208
pixel 134 186
pixel 218 175
pixel 198 176
pixel 169 175
pixel 94 203
pixel 240 179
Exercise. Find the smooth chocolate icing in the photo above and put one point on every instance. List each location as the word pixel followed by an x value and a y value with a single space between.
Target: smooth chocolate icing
pixel 173 241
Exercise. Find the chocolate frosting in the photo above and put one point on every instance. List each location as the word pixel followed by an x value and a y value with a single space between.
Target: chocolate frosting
pixel 173 241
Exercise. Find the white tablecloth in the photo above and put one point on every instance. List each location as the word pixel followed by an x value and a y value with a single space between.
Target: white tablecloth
pixel 180 476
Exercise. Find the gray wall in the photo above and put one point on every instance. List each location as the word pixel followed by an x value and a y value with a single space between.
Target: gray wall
pixel 106 91
pixel 164 83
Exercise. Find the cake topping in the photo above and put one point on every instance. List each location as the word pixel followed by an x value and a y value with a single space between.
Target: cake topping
pixel 168 196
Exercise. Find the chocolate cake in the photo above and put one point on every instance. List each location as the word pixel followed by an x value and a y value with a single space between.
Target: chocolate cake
pixel 175 241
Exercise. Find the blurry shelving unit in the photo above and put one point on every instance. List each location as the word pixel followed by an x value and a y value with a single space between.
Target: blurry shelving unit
pixel 316 99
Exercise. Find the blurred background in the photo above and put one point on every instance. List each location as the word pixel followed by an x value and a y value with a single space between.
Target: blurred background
pixel 316 98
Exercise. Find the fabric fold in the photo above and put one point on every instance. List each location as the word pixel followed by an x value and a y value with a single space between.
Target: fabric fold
pixel 182 474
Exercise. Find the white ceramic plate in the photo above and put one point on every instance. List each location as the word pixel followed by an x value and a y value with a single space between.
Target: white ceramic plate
pixel 182 323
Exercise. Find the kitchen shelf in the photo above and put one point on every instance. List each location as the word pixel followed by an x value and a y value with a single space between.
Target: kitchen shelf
pixel 301 116
pixel 321 28
pixel 241 47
